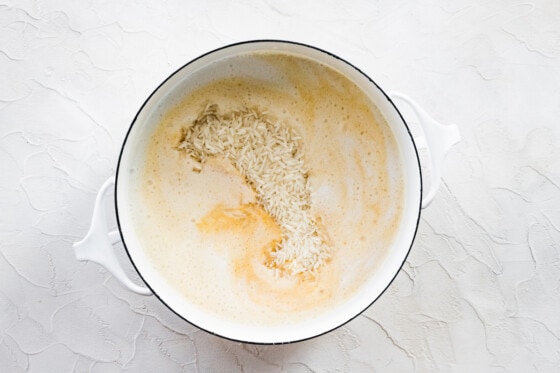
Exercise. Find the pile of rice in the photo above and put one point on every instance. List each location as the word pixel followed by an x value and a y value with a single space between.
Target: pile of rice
pixel 268 154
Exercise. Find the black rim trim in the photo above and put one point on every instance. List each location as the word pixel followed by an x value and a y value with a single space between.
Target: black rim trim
pixel 202 56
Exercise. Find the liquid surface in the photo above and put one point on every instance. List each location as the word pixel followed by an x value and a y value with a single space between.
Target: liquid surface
pixel 207 235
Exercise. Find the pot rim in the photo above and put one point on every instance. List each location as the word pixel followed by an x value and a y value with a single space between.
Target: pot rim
pixel 257 41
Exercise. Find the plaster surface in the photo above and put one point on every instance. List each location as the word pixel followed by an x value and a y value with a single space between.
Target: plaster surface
pixel 480 291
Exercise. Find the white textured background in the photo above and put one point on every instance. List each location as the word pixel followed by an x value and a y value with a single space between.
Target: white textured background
pixel 480 291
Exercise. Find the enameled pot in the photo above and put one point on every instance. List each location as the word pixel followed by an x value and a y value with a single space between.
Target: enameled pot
pixel 97 244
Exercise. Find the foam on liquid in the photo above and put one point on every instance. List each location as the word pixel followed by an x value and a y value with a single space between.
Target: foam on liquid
pixel 208 238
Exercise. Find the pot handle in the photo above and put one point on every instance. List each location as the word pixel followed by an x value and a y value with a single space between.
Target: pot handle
pixel 97 245
pixel 438 139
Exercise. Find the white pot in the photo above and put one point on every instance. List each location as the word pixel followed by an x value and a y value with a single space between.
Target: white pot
pixel 97 245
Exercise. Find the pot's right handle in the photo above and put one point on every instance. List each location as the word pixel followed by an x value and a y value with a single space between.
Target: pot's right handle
pixel 439 139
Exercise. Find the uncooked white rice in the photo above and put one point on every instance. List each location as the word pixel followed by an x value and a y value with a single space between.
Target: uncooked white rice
pixel 268 154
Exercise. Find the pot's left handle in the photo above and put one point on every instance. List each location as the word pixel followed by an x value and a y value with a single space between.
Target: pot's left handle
pixel 97 245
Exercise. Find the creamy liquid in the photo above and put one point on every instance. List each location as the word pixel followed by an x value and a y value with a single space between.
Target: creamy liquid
pixel 207 236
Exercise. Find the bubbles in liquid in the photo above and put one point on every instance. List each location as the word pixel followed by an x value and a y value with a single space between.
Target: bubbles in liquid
pixel 195 268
